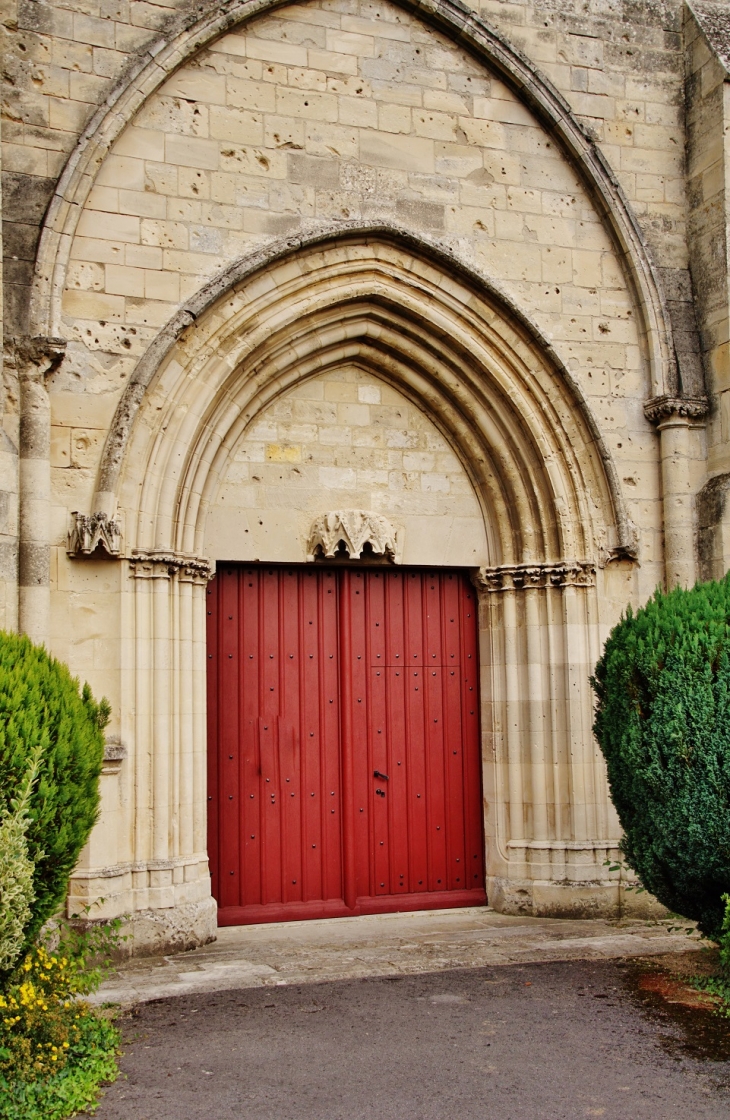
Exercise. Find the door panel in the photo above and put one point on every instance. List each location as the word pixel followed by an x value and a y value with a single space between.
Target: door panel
pixel 274 788
pixel 344 769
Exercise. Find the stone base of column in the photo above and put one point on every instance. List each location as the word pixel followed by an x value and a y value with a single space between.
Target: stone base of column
pixel 164 909
pixel 544 899
pixel 173 929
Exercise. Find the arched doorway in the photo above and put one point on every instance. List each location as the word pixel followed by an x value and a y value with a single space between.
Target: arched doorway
pixel 542 490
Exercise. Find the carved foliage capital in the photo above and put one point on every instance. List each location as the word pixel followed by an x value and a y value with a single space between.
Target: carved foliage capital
pixel 518 577
pixel 34 357
pixel 163 564
pixel 355 530
pixel 661 409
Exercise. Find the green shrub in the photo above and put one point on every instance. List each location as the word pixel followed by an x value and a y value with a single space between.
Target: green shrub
pixel 725 939
pixel 663 724
pixel 16 870
pixel 41 708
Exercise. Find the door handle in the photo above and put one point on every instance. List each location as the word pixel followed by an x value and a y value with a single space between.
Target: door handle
pixel 384 777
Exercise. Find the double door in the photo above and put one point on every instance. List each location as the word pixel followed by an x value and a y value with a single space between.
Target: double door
pixel 343 742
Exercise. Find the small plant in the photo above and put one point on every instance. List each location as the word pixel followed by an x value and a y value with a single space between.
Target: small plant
pixel 719 984
pixel 55 1050
pixel 663 724
pixel 42 710
pixel 16 870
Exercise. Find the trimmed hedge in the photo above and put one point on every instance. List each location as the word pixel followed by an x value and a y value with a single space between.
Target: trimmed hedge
pixel 663 724
pixel 40 704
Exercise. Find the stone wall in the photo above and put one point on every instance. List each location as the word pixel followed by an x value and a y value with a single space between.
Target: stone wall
pixel 346 440
pixel 620 68
pixel 305 120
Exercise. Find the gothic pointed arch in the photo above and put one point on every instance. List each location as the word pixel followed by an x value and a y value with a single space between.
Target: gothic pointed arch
pixel 473 33
pixel 400 308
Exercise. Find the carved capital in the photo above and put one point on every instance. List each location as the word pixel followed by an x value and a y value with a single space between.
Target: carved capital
pixel 161 564
pixel 89 533
pixel 34 357
pixel 522 577
pixel 357 531
pixel 659 410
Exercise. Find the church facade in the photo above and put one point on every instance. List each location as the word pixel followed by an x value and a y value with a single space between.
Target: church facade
pixel 422 302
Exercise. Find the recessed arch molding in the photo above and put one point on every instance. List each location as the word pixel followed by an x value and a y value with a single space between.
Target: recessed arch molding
pixel 361 306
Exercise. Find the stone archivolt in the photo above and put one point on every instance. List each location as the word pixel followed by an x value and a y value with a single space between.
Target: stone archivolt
pixel 525 436
pixel 356 529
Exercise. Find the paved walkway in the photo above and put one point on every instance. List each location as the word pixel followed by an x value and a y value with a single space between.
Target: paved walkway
pixel 382 945
pixel 555 1040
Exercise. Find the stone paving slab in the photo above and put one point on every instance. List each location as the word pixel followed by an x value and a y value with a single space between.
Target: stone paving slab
pixel 382 945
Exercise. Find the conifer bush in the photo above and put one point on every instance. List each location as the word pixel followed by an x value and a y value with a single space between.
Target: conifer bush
pixel 663 724
pixel 43 713
pixel 16 870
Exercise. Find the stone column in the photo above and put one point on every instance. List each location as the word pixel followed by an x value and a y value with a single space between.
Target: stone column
pixel 9 394
pixel 172 882
pixel 35 359
pixel 674 417
pixel 546 832
pixel 160 878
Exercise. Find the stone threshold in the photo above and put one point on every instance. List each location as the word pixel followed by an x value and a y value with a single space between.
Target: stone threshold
pixel 310 952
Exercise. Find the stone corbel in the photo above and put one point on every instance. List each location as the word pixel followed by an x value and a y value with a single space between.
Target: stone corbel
pixel 355 530
pixel 114 754
pixel 92 532
pixel 519 577
pixel 664 410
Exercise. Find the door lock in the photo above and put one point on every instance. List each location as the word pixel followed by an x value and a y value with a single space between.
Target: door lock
pixel 380 792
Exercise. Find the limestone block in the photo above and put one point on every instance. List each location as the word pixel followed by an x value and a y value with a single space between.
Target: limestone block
pixel 109 227
pixel 191 151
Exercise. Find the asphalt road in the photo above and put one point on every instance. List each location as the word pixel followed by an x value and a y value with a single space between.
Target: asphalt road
pixel 554 1041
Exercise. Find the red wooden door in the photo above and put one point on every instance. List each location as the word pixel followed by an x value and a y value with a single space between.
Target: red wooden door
pixel 343 742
